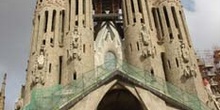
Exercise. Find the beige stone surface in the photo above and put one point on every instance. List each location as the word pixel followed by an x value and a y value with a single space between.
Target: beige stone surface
pixel 155 38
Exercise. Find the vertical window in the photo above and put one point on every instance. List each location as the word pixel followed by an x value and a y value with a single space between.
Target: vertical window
pixel 177 62
pixel 51 40
pixel 169 65
pixel 160 21
pixel 171 36
pixel 131 47
pixel 76 23
pixel 180 36
pixel 84 48
pixel 132 7
pixel 44 42
pixel 49 67
pixel 84 7
pixel 77 7
pixel 166 16
pixel 138 47
pixel 174 17
pixel 53 20
pixel 60 68
pixel 163 58
pixel 74 76
pixel 152 72
pixel 46 21
pixel 155 17
pixel 63 20
pixel 139 6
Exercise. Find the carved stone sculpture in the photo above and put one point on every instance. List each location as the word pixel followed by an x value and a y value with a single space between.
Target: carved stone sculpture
pixel 37 78
pixel 145 38
pixel 185 53
pixel 19 104
pixel 74 52
pixel 41 60
pixel 189 72
pixel 146 51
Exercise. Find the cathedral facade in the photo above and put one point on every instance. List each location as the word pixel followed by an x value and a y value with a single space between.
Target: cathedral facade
pixel 111 55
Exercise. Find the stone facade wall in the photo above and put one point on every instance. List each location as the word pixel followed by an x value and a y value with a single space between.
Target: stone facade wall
pixel 156 39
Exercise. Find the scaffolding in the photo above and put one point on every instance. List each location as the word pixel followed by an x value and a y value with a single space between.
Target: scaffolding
pixel 63 97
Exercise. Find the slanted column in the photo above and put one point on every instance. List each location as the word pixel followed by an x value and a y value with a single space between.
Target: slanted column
pixel 179 56
pixel 56 29
pixel 136 12
pixel 41 30
pixel 184 26
pixel 79 43
pixel 90 15
pixel 125 14
pixel 49 23
pixel 138 51
pixel 72 14
pixel 35 34
pixel 87 13
pixel 80 16
pixel 129 12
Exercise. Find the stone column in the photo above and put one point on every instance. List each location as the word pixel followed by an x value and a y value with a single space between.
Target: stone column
pixel 182 69
pixel 79 45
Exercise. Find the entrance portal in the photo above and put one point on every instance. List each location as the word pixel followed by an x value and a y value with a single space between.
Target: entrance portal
pixel 119 99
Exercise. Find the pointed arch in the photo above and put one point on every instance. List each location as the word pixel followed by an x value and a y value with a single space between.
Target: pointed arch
pixel 119 98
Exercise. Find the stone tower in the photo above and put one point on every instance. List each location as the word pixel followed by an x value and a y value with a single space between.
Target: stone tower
pixel 110 55
pixel 2 93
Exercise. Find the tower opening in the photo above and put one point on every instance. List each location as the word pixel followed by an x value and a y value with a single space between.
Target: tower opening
pixel 163 59
pixel 107 9
pixel 119 99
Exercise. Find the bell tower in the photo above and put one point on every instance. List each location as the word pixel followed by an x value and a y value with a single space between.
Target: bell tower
pixel 47 45
pixel 111 54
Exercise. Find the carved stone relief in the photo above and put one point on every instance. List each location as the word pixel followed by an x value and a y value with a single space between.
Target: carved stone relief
pixel 37 78
pixel 189 72
pixel 41 59
pixel 19 104
pixel 50 3
pixel 145 38
pixel 74 50
pixel 184 53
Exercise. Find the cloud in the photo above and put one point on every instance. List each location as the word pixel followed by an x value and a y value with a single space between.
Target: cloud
pixel 204 23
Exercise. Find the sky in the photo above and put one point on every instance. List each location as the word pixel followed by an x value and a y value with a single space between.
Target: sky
pixel 203 18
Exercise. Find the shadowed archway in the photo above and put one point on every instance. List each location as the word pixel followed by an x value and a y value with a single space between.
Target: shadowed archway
pixel 119 99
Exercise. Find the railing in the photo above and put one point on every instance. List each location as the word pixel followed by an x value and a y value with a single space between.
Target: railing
pixel 56 97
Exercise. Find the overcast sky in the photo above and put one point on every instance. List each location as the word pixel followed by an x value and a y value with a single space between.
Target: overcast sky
pixel 203 18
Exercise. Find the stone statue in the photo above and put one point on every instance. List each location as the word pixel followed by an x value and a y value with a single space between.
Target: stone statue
pixel 74 47
pixel 144 37
pixel 37 78
pixel 41 59
pixel 146 51
pixel 185 53
pixel 189 72
pixel 19 104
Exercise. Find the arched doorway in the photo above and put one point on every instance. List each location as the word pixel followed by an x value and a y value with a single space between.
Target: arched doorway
pixel 119 99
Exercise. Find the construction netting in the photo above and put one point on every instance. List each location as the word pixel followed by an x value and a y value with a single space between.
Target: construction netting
pixel 54 98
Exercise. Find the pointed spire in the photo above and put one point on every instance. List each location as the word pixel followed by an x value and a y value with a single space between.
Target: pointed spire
pixel 3 86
